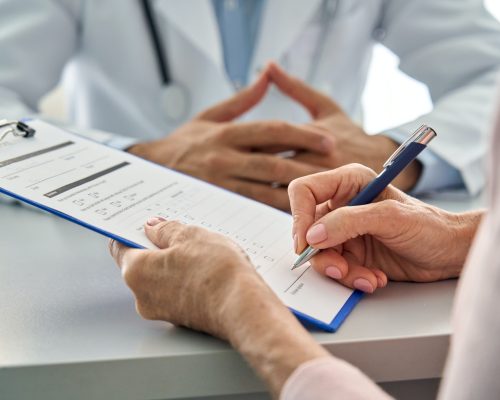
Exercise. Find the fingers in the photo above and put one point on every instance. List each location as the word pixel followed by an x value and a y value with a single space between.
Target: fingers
pixel 237 105
pixel 269 168
pixel 383 220
pixel 124 255
pixel 264 193
pixel 347 270
pixel 318 104
pixel 165 234
pixel 263 134
pixel 337 187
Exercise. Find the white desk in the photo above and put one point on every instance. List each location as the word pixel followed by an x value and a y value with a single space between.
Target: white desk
pixel 68 327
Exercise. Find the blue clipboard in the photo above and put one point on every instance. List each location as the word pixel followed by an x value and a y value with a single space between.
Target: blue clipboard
pixel 306 320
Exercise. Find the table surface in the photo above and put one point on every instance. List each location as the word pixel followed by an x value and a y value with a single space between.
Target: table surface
pixel 68 325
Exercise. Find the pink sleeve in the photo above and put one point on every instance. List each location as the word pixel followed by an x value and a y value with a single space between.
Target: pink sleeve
pixel 330 378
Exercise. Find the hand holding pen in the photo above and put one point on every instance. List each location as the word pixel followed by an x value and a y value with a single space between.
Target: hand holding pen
pixel 315 196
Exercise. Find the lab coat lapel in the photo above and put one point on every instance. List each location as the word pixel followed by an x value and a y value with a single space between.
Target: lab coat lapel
pixel 197 21
pixel 282 21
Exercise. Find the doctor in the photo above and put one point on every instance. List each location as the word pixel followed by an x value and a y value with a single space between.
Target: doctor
pixel 140 75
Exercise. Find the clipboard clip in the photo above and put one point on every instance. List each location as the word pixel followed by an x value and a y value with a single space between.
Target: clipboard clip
pixel 16 128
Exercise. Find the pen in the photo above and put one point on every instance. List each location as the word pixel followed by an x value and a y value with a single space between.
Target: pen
pixel 396 163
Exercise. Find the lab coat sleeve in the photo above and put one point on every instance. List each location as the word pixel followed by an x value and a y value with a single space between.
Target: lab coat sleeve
pixel 37 39
pixel 454 48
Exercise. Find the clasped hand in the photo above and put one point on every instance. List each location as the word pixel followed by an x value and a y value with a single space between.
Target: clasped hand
pixel 241 156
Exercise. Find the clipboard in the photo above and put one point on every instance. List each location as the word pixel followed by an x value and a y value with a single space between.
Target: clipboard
pixel 64 194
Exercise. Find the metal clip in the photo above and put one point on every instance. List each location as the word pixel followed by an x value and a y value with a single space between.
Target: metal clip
pixel 17 128
pixel 422 135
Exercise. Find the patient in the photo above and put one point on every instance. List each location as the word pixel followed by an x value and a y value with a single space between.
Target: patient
pixel 397 238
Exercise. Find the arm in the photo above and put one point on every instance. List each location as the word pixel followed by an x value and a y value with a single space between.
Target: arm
pixel 224 296
pixel 454 48
pixel 285 355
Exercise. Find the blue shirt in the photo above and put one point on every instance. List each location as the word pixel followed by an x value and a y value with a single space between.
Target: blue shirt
pixel 238 22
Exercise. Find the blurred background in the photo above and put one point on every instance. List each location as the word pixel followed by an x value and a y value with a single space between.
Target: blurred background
pixel 391 99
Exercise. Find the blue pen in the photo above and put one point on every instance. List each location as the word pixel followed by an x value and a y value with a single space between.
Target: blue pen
pixel 396 163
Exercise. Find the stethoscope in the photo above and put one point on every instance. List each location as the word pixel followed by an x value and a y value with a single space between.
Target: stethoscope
pixel 174 96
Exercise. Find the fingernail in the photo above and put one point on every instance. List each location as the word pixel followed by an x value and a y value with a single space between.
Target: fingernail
pixel 316 234
pixel 363 285
pixel 380 282
pixel 333 272
pixel 295 243
pixel 155 221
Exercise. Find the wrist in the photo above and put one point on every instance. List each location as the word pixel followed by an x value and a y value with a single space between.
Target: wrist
pixel 461 229
pixel 466 225
pixel 267 334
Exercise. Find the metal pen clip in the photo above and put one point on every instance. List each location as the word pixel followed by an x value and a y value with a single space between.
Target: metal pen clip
pixel 422 135
pixel 17 128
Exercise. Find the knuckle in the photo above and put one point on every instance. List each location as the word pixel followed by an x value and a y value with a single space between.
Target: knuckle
pixel 224 132
pixel 390 206
pixel 344 220
pixel 192 232
pixel 214 161
pixel 277 126
pixel 244 190
pixel 259 165
pixel 295 185
pixel 167 230
pixel 395 209
pixel 361 169
pixel 179 232
pixel 276 168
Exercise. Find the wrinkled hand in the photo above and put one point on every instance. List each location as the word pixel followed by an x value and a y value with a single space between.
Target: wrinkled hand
pixel 351 143
pixel 396 237
pixel 204 281
pixel 196 278
pixel 233 155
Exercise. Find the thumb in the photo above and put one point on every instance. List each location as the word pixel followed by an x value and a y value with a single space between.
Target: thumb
pixel 237 105
pixel 163 233
pixel 385 220
pixel 318 104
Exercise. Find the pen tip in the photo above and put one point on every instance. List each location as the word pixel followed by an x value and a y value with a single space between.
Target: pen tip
pixel 296 265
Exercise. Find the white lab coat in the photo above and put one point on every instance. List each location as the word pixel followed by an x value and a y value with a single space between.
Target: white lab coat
pixel 111 73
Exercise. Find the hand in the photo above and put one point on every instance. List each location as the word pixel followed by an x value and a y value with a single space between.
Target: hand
pixel 351 143
pixel 396 237
pixel 213 148
pixel 179 283
pixel 204 281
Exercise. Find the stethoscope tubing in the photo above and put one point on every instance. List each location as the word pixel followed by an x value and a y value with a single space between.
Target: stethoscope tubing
pixel 156 41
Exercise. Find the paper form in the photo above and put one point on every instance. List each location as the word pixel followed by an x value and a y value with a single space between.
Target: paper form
pixel 117 192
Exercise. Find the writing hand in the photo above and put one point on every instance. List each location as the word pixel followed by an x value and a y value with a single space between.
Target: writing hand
pixel 396 237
